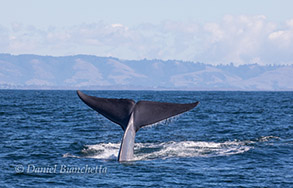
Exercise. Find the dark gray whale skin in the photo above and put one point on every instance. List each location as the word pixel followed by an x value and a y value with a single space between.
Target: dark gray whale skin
pixel 132 116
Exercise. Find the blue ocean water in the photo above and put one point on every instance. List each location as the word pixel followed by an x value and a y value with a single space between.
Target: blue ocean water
pixel 231 139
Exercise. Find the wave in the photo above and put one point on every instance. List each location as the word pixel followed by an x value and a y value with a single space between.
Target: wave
pixel 172 149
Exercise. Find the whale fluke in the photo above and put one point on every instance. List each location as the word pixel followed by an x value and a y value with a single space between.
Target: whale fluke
pixel 132 116
pixel 116 110
pixel 149 112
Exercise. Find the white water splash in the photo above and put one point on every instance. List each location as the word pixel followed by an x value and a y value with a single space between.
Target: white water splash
pixel 267 138
pixel 149 151
pixel 102 151
pixel 185 149
pixel 164 150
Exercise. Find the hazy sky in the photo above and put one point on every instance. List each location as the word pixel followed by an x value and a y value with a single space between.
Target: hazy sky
pixel 219 31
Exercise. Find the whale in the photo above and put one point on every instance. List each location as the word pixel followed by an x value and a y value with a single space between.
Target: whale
pixel 132 116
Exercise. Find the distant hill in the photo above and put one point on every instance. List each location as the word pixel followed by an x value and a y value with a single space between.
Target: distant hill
pixel 92 72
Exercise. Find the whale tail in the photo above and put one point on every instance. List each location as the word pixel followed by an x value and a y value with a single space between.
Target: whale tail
pixel 126 113
pixel 145 112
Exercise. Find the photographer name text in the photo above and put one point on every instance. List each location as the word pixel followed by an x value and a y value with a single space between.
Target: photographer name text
pixel 60 169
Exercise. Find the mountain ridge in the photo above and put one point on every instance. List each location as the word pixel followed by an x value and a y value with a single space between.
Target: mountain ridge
pixel 29 71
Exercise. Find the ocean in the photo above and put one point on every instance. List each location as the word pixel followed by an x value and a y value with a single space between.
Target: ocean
pixel 231 139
